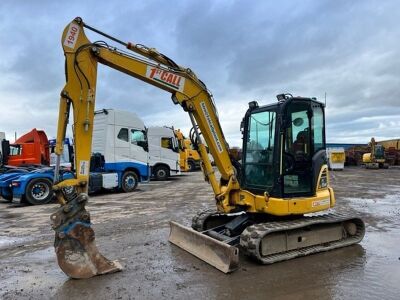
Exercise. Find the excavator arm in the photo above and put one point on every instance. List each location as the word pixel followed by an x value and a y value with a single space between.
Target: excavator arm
pixel 76 251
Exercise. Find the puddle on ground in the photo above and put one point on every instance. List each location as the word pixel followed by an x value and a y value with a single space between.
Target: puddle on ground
pixel 6 241
pixel 380 213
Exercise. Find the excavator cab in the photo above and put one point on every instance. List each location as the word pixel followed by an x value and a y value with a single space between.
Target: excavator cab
pixel 284 147
pixel 379 152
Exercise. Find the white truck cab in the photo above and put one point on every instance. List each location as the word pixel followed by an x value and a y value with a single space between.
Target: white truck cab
pixel 163 152
pixel 122 138
pixel 119 150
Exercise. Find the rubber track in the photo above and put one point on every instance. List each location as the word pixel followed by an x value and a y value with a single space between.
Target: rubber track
pixel 199 219
pixel 250 239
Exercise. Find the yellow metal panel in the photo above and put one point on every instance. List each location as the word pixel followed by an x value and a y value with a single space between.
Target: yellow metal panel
pixel 338 157
pixel 323 200
pixel 366 158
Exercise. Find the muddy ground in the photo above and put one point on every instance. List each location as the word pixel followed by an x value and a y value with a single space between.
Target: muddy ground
pixel 133 228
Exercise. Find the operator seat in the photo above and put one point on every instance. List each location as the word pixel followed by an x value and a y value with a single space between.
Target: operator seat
pixel 301 146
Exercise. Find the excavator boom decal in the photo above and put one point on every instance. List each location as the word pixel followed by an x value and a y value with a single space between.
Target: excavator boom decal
pixel 72 35
pixel 212 127
pixel 166 78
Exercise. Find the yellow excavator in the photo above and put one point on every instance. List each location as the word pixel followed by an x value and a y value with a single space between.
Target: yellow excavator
pixel 263 204
pixel 189 158
pixel 376 158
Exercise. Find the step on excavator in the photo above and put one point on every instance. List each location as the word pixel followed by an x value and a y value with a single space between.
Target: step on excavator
pixel 273 206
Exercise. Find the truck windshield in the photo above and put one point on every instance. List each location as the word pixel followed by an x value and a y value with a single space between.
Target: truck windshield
pixel 258 159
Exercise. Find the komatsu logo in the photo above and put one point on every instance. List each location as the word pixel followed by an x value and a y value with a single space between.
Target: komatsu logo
pixel 322 202
pixel 212 127
pixel 166 78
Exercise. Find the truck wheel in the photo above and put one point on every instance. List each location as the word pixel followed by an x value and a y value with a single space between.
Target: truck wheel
pixel 39 191
pixel 161 173
pixel 191 166
pixel 129 181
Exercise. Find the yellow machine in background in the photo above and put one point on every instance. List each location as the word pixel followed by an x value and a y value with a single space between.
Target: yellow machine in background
pixel 394 144
pixel 376 158
pixel 336 158
pixel 260 204
pixel 189 157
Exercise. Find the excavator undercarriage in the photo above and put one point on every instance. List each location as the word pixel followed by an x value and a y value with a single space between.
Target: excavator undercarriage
pixel 216 238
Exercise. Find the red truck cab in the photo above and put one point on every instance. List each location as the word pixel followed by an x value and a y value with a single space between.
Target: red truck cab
pixel 31 148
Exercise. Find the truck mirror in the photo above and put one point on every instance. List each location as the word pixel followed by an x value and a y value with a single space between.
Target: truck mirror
pixel 144 145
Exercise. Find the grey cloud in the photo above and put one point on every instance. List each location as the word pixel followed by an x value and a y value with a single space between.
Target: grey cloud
pixel 243 52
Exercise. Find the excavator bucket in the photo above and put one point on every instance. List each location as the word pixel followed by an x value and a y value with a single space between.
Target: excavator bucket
pixel 220 255
pixel 75 247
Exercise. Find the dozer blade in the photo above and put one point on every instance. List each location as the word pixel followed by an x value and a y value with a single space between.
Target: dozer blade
pixel 214 252
pixel 77 254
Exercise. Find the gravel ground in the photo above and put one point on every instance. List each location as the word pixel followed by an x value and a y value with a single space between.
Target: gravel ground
pixel 133 228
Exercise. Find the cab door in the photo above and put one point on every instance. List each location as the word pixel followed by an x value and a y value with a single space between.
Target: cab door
pixel 297 152
pixel 170 151
pixel 122 145
pixel 304 148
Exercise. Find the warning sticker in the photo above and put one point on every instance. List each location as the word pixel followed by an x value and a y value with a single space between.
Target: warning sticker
pixel 84 167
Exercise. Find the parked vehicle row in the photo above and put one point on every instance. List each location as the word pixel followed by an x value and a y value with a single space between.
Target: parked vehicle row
pixel 125 153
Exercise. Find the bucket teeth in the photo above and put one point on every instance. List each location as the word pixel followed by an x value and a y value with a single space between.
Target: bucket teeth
pixel 75 246
pixel 78 256
pixel 216 253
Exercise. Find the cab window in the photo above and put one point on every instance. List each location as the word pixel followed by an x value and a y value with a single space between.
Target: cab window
pixel 298 135
pixel 260 150
pixel 170 143
pixel 137 136
pixel 318 125
pixel 15 150
pixel 166 143
pixel 123 134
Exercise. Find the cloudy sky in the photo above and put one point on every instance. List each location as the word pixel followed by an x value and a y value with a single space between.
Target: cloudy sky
pixel 242 50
